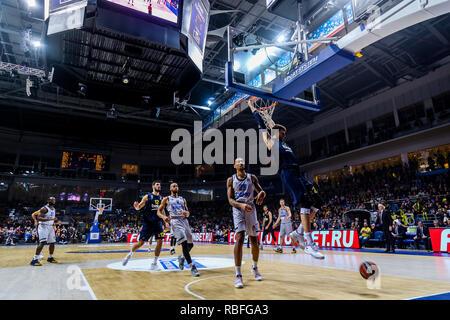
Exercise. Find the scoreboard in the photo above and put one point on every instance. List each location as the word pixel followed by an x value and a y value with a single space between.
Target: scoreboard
pixel 80 160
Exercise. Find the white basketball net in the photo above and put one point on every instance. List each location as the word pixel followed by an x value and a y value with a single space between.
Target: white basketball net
pixel 265 108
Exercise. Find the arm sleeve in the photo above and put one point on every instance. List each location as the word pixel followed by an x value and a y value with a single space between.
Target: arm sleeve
pixel 258 119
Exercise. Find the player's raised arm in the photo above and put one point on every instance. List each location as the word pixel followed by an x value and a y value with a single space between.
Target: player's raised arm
pixel 261 193
pixel 160 213
pixel 140 205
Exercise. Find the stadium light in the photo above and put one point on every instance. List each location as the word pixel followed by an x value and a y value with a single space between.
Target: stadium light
pixel 210 102
pixel 36 44
pixel 236 65
pixel 256 60
pixel 281 38
pixel 204 107
pixel 31 3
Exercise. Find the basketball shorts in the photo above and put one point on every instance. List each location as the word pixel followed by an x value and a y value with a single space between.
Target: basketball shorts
pixel 302 191
pixel 181 230
pixel 150 229
pixel 244 221
pixel 285 228
pixel 46 233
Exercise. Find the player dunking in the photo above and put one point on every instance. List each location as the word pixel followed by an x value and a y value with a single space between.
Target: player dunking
pixel 178 211
pixel 152 225
pixel 302 191
pixel 267 226
pixel 240 189
pixel 45 218
pixel 284 217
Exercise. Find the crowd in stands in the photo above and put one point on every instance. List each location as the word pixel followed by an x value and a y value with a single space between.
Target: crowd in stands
pixel 399 188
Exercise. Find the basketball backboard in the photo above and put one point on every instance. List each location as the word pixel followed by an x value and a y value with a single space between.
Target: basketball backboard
pixel 281 71
pixel 95 204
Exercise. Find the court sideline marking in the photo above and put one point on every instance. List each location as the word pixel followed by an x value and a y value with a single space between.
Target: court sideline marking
pixel 186 287
pixel 87 287
pixel 445 294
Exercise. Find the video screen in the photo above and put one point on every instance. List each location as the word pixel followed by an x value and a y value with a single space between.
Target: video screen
pixel 198 26
pixel 163 9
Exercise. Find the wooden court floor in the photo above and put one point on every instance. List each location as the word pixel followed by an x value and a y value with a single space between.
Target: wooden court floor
pixel 285 276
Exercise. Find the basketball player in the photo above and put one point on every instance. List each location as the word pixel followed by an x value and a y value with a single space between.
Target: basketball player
pixel 45 218
pixel 284 216
pixel 267 226
pixel 302 191
pixel 240 189
pixel 178 211
pixel 152 225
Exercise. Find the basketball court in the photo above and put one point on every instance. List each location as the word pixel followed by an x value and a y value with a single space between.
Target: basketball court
pixel 90 113
pixel 405 275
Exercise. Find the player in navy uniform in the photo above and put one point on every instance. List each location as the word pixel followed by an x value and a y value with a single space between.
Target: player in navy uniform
pixel 267 226
pixel 152 225
pixel 302 191
pixel 240 190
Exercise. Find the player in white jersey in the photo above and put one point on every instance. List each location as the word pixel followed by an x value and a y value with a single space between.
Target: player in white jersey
pixel 240 189
pixel 44 219
pixel 285 218
pixel 178 212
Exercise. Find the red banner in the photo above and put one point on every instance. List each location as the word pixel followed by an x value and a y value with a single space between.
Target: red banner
pixel 325 238
pixel 440 239
pixel 196 237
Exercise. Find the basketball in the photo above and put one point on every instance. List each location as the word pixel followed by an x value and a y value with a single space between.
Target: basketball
pixel 368 270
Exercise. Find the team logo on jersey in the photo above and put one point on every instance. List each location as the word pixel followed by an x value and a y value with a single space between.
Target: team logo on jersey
pixel 171 264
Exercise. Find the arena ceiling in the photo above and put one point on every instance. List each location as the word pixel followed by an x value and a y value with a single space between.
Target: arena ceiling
pixel 401 57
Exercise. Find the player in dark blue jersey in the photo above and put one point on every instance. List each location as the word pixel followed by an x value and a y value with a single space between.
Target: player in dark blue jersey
pixel 152 223
pixel 302 191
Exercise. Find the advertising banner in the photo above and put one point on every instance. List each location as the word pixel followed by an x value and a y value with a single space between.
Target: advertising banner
pixel 324 238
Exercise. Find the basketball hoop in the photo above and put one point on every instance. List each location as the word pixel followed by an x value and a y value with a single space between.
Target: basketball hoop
pixel 98 213
pixel 265 108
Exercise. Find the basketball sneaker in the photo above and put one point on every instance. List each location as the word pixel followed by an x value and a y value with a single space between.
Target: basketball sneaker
pixel 52 260
pixel 238 282
pixel 126 259
pixel 279 250
pixel 35 263
pixel 154 267
pixel 181 262
pixel 172 251
pixel 293 250
pixel 40 257
pixel 300 239
pixel 314 252
pixel 256 273
pixel 194 271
